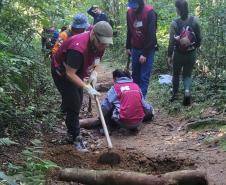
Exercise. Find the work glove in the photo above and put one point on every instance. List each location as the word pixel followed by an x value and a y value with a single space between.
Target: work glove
pixel 91 91
pixel 93 78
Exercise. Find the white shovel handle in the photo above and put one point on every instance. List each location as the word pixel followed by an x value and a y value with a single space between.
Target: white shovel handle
pixel 103 123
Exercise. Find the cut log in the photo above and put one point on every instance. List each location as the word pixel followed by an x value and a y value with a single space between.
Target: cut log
pixel 103 177
pixel 186 177
pixel 205 122
pixel 89 123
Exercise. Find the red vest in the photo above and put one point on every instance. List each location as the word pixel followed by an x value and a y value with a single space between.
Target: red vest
pixel 80 43
pixel 131 109
pixel 138 26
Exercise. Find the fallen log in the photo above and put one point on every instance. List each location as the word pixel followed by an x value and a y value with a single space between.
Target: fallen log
pixel 186 177
pixel 103 177
pixel 205 122
pixel 89 123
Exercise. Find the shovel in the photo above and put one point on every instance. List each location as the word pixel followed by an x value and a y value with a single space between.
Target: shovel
pixel 128 63
pixel 108 157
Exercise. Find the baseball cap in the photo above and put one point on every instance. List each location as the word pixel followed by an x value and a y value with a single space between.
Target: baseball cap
pixel 80 21
pixel 133 4
pixel 103 32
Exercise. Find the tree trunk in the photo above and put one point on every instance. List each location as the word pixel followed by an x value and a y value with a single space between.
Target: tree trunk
pixel 103 177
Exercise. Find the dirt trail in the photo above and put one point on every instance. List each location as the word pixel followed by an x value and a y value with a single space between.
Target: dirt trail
pixel 160 146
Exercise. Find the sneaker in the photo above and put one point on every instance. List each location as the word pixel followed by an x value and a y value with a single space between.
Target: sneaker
pixel 187 98
pixel 79 145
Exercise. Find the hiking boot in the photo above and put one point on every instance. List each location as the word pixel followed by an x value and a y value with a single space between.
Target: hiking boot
pixel 187 98
pixel 79 145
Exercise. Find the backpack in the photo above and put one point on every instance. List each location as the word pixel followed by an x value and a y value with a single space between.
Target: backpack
pixel 185 39
pixel 52 40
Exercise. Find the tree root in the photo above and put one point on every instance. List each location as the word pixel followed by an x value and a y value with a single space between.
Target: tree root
pixel 205 122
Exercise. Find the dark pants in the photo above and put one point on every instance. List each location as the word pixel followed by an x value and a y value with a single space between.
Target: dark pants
pixel 72 97
pixel 113 123
pixel 184 63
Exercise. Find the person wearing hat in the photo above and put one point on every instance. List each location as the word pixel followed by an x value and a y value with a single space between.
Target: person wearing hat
pixel 74 62
pixel 141 41
pixel 79 25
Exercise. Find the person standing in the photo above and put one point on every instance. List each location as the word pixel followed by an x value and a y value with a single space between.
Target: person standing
pixel 97 14
pixel 72 63
pixel 184 39
pixel 141 41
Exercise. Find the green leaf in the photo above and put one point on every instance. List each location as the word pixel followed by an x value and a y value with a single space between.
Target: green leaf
pixel 7 142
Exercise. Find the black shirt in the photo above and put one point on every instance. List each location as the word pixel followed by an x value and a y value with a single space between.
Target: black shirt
pixel 75 60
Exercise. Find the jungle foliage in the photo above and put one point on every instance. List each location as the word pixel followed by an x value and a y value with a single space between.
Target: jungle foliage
pixel 26 88
pixel 25 78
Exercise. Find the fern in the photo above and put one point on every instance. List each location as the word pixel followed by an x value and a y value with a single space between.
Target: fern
pixel 33 169
pixel 7 142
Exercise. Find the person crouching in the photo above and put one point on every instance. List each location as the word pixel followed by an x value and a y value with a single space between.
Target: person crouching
pixel 124 104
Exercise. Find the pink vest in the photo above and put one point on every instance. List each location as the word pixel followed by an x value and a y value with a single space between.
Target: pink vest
pixel 138 26
pixel 131 109
pixel 80 43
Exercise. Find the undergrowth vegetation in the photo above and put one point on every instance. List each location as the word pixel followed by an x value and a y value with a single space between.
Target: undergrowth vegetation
pixel 32 170
pixel 28 103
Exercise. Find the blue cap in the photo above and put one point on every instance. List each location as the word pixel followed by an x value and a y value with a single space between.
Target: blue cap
pixel 133 4
pixel 80 21
pixel 55 34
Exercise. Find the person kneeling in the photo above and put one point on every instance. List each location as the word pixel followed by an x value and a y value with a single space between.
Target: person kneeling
pixel 124 103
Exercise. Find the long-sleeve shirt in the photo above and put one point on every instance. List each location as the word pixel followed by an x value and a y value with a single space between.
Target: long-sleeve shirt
pixel 112 104
pixel 174 30
pixel 97 16
pixel 150 38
